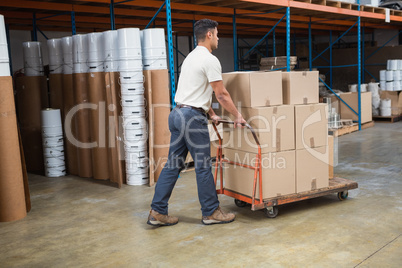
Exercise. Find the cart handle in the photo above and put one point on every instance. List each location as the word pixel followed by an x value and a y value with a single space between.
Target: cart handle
pixel 243 124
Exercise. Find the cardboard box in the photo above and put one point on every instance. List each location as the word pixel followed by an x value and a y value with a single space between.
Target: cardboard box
pixel 274 128
pixel 351 98
pixel 311 125
pixel 396 100
pixel 254 89
pixel 331 156
pixel 300 87
pixel 312 169
pixel 278 173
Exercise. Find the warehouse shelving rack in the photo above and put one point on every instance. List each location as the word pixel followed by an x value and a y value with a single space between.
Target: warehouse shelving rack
pixel 244 18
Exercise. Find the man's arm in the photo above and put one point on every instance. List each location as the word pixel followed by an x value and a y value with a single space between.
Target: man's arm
pixel 223 97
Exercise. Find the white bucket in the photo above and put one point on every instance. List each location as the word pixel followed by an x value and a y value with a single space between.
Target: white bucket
pixel 135 123
pixel 135 88
pixel 109 40
pixel 128 38
pixel 130 65
pixel 383 75
pixel 385 103
pixel 35 71
pixel 32 50
pixel 153 38
pixel 389 86
pixel 131 77
pixel 55 51
pixel 95 47
pixel 54 172
pixel 383 84
pixel 389 76
pixel 95 67
pixel 159 53
pixel 134 135
pixel 51 117
pixel 53 151
pixel 53 141
pixel 80 48
pixel 79 68
pixel 3 36
pixel 137 165
pixel 133 111
pixel 135 146
pixel 397 75
pixel 110 66
pixel 4 53
pixel 137 176
pixel 4 69
pixel 130 53
pixel 54 161
pixel 385 111
pixel 132 100
pixel 136 156
pixel 397 85
pixel 155 64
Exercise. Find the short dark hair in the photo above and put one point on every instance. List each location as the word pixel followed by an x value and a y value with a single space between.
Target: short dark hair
pixel 202 27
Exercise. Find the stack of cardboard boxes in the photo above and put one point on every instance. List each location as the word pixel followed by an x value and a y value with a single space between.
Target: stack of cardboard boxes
pixel 291 126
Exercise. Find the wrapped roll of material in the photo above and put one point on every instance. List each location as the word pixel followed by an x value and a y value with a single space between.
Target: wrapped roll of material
pixel 12 194
pixel 389 75
pixel 97 96
pixel 383 75
pixel 386 103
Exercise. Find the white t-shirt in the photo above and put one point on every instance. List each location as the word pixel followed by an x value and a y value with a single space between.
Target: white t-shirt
pixel 199 69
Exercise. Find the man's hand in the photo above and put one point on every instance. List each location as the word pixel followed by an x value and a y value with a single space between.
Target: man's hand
pixel 239 122
pixel 215 119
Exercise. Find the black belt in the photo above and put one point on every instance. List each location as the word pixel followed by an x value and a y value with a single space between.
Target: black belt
pixel 191 107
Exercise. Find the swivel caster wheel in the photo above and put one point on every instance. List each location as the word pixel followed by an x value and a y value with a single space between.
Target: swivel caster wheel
pixel 343 195
pixel 240 203
pixel 271 212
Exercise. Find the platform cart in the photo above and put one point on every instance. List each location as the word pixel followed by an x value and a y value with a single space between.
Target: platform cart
pixel 339 186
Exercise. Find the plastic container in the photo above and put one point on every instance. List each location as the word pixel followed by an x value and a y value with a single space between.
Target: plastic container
pixel 110 66
pixel 133 111
pixel 135 146
pixel 155 64
pixel 131 77
pixel 132 100
pixel 136 156
pixel 135 123
pixel 135 88
pixel 80 48
pixel 135 135
pixel 385 103
pixel 134 65
pixel 138 176
pixel 4 69
pixel 109 40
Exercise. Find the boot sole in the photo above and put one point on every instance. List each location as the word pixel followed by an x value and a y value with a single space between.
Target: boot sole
pixel 160 224
pixel 217 222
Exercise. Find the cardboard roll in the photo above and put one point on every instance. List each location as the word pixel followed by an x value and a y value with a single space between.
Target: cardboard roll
pixel 131 77
pixel 155 63
pixel 134 88
pixel 53 151
pixel 133 111
pixel 54 161
pixel 53 141
pixel 128 38
pixel 132 100
pixel 54 172
pixel 4 69
pixel 130 65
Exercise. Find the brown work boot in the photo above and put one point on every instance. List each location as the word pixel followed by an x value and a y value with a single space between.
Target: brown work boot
pixel 157 219
pixel 218 217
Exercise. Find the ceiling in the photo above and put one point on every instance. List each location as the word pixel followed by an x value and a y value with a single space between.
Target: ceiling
pixel 253 17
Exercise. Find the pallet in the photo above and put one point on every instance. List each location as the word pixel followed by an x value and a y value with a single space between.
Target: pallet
pixel 388 119
pixel 349 129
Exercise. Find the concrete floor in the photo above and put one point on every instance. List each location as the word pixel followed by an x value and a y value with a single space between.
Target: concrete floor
pixel 78 222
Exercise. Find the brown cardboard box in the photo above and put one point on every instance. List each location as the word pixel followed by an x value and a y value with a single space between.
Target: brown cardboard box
pixel 274 128
pixel 311 125
pixel 331 156
pixel 351 98
pixel 278 173
pixel 311 169
pixel 396 100
pixel 300 87
pixel 254 89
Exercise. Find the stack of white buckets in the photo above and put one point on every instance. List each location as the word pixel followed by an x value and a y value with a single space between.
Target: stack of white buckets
pixel 55 56
pixel 33 64
pixel 53 148
pixel 390 79
pixel 133 105
pixel 4 61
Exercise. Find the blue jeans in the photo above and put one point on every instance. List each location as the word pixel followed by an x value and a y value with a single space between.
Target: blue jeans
pixel 189 132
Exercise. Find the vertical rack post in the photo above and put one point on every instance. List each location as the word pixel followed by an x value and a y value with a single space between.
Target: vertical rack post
pixel 34 30
pixel 112 21
pixel 73 29
pixel 359 67
pixel 363 59
pixel 310 49
pixel 177 56
pixel 330 58
pixel 288 39
pixel 236 63
pixel 170 50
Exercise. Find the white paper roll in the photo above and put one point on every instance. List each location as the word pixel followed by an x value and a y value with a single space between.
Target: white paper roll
pixel 389 75
pixel 389 86
pixel 383 75
pixel 383 85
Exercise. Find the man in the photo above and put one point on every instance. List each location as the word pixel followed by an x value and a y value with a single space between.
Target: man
pixel 201 73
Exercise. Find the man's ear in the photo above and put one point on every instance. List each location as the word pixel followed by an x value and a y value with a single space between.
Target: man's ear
pixel 209 34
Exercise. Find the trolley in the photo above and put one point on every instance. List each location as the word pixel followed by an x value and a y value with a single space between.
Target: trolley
pixel 270 205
